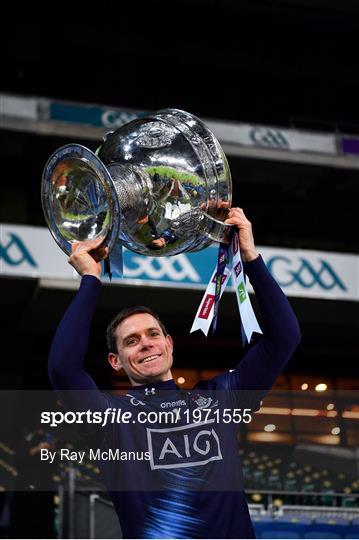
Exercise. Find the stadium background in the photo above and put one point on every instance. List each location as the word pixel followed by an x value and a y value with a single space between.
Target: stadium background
pixel 270 65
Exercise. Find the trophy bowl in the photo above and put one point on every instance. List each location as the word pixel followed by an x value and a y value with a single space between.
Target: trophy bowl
pixel 159 185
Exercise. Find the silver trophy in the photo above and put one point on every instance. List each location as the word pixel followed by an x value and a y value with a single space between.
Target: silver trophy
pixel 159 185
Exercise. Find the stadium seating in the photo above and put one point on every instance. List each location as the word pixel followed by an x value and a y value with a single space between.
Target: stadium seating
pixel 298 526
pixel 280 534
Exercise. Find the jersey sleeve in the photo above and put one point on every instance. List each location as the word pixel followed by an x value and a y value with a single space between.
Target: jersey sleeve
pixel 261 365
pixel 75 387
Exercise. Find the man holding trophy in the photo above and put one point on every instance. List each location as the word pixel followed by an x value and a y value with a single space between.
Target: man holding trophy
pixel 189 484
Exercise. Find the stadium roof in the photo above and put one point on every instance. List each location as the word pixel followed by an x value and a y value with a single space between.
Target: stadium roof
pixel 280 62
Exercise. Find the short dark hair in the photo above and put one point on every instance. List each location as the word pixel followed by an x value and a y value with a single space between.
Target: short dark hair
pixel 121 316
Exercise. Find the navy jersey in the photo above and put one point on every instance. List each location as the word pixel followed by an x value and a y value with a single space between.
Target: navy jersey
pixel 185 478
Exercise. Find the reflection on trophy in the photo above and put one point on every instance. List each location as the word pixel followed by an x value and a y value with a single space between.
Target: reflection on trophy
pixel 159 185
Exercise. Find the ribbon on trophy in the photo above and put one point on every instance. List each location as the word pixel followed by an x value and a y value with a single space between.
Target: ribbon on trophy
pixel 208 309
pixel 224 259
pixel 114 262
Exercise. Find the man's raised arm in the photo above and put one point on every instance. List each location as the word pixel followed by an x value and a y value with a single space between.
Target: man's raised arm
pixel 262 364
pixel 69 346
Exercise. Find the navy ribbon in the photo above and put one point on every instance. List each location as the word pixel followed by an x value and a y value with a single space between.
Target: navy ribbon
pixel 224 257
pixel 114 263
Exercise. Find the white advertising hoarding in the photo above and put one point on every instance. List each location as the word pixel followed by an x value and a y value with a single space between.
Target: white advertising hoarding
pixel 273 138
pixel 32 252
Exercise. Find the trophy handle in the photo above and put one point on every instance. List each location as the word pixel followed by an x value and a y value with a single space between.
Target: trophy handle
pixel 216 230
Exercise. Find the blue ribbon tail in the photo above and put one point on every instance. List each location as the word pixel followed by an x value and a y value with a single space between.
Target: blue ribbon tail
pixel 106 268
pixel 214 324
pixel 114 263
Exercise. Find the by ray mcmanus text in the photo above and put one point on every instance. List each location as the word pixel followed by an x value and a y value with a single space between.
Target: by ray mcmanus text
pixel 93 454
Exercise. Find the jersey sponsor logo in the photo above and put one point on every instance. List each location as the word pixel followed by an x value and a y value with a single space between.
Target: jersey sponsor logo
pixel 303 273
pixel 184 446
pixel 15 252
pixel 206 307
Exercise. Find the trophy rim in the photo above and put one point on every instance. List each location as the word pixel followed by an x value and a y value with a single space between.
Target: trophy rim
pixel 85 155
pixel 206 139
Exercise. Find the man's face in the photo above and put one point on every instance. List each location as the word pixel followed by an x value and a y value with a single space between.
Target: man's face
pixel 144 352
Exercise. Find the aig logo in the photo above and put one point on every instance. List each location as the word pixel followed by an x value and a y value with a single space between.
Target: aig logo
pixel 303 273
pixel 184 446
pixel 268 137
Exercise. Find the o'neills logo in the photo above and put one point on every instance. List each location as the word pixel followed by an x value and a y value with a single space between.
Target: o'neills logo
pixel 206 307
pixel 235 244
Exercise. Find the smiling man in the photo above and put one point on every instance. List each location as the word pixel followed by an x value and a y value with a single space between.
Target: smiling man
pixel 139 344
pixel 190 485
